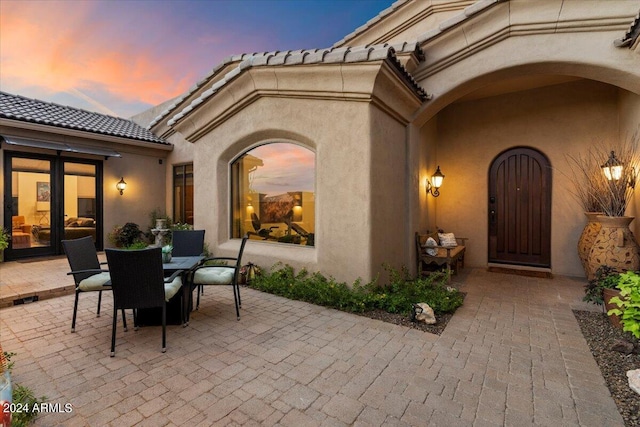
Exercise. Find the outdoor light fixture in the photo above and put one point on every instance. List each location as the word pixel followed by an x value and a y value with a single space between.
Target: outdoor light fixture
pixel 434 185
pixel 121 185
pixel 612 168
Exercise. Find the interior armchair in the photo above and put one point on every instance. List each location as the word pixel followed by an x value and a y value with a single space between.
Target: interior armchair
pixel 19 224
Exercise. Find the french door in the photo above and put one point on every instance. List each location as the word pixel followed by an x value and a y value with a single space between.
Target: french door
pixel 48 199
pixel 520 208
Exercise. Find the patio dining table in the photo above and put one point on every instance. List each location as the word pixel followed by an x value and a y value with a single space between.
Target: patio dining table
pixel 176 313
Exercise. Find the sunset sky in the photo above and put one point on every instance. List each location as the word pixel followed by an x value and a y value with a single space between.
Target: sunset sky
pixel 121 57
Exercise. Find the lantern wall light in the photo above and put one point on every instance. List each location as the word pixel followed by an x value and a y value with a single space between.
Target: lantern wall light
pixel 433 186
pixel 121 185
pixel 613 170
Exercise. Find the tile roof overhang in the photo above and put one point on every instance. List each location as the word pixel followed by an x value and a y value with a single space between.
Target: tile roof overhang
pixel 18 111
pixel 345 55
pixel 631 36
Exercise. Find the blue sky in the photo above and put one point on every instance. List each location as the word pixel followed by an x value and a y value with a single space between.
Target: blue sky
pixel 120 57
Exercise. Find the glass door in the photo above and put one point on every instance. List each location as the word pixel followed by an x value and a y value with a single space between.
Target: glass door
pixel 28 205
pixel 80 201
pixel 48 199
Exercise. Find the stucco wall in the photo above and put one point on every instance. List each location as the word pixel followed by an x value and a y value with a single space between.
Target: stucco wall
pixel 343 188
pixel 629 107
pixel 557 120
pixel 145 178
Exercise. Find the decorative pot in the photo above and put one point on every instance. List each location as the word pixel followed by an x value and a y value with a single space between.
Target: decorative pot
pixel 607 294
pixel 161 224
pixel 588 236
pixel 614 246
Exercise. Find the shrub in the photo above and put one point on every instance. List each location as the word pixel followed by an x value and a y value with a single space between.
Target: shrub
pixel 398 297
pixel 628 302
pixel 125 236
pixel 24 397
pixel 605 278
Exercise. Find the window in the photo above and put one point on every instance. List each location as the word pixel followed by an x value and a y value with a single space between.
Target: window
pixel 183 194
pixel 272 191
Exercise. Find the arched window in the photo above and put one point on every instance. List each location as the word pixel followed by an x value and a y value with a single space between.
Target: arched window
pixel 272 192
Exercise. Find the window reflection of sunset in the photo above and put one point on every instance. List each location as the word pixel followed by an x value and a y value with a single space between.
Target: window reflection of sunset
pixel 287 167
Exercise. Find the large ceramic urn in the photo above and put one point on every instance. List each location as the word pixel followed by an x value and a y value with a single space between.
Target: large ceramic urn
pixel 588 236
pixel 614 246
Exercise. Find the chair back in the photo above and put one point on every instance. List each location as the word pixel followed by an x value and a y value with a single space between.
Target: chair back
pixel 239 259
pixel 187 242
pixel 82 255
pixel 137 278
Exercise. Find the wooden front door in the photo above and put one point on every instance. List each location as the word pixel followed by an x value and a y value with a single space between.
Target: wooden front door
pixel 520 208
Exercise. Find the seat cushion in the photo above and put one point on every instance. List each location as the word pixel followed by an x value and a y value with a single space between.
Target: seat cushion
pixel 213 276
pixel 95 282
pixel 172 288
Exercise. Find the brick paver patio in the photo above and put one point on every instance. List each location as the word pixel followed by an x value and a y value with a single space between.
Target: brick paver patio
pixel 512 355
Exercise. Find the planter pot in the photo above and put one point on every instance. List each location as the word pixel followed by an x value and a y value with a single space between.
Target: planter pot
pixel 614 246
pixel 161 224
pixel 588 236
pixel 607 294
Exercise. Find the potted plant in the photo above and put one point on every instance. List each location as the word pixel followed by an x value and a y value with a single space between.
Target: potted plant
pixel 615 244
pixel 628 303
pixel 166 253
pixel 606 278
pixel 4 242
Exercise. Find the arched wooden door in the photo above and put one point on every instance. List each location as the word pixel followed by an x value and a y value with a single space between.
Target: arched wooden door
pixel 520 208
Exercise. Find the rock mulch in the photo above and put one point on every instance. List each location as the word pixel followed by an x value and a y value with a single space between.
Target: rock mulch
pixel 601 337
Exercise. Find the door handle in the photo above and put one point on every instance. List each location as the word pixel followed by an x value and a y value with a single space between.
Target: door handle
pixel 492 216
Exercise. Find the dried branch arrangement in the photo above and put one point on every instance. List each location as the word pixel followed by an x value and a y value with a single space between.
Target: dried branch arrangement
pixel 591 187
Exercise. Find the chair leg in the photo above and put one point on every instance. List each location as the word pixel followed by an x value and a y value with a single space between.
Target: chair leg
pixel 99 301
pixel 113 331
pixel 75 312
pixel 164 327
pixel 235 300
pixel 124 320
pixel 198 293
pixel 239 300
pixel 135 319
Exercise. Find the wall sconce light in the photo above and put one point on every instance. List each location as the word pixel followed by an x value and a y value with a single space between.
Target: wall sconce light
pixel 121 185
pixel 434 185
pixel 612 168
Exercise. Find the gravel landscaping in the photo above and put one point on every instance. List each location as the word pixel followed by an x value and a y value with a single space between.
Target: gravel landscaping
pixel 601 335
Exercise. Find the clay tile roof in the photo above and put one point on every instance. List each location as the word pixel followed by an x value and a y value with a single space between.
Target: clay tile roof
pixel 313 56
pixel 631 35
pixel 19 108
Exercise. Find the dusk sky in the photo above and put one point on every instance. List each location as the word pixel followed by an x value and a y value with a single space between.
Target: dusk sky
pixel 122 57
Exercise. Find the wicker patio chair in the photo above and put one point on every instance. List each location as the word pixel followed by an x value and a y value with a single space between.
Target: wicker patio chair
pixel 187 242
pixel 221 275
pixel 138 282
pixel 87 272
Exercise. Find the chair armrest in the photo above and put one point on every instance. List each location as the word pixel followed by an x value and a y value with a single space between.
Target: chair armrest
pixel 173 276
pixel 104 263
pixel 216 258
pixel 463 240
pixel 93 270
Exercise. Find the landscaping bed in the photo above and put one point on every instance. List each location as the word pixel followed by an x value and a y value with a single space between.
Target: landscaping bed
pixel 600 335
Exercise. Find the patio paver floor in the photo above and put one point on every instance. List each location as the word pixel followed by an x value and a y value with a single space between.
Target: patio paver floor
pixel 512 355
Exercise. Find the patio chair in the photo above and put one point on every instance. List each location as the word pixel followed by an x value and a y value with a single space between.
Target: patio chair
pixel 138 282
pixel 187 242
pixel 221 275
pixel 87 273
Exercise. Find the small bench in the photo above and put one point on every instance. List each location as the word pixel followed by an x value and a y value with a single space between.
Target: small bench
pixel 451 257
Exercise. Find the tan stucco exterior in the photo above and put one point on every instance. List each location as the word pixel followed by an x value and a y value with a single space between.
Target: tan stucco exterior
pixel 142 164
pixel 542 74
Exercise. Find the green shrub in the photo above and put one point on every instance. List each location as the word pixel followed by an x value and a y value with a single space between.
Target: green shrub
pixel 628 302
pixel 605 278
pixel 125 236
pixel 397 297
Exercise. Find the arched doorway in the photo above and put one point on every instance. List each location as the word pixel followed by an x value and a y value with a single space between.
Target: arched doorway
pixel 520 208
